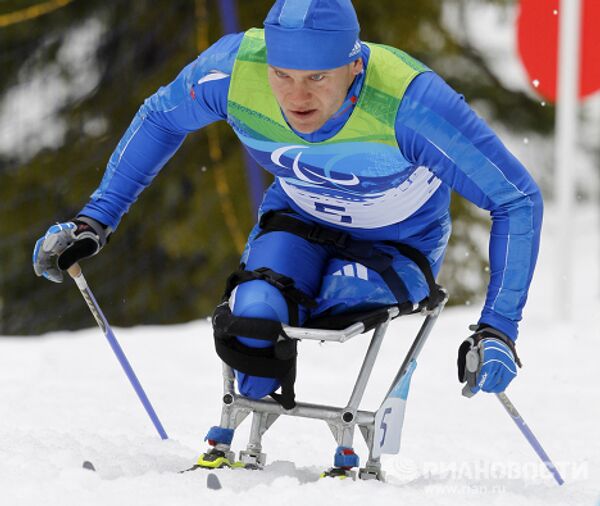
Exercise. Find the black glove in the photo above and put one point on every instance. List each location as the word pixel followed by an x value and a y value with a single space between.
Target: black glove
pixel 67 243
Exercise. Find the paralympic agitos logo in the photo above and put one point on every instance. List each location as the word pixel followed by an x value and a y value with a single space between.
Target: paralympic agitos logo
pixel 306 174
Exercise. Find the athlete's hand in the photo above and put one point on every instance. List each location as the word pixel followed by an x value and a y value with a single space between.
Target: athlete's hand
pixel 67 243
pixel 486 361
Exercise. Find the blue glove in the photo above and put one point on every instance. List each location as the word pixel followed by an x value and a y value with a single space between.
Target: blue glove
pixel 487 361
pixel 67 243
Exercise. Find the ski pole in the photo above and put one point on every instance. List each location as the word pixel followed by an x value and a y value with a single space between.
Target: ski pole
pixel 472 364
pixel 531 439
pixel 77 275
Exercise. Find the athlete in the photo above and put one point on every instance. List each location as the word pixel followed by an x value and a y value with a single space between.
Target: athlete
pixel 366 144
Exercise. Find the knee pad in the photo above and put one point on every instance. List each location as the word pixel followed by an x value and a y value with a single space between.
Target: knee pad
pixel 257 299
pixel 250 337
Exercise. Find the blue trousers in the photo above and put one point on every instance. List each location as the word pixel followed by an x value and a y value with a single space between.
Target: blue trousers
pixel 337 285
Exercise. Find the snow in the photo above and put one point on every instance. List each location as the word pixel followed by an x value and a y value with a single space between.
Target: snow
pixel 44 88
pixel 65 400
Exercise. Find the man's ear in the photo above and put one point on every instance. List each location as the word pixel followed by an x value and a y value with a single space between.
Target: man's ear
pixel 357 66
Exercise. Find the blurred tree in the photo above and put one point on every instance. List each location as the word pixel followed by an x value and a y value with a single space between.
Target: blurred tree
pixel 79 74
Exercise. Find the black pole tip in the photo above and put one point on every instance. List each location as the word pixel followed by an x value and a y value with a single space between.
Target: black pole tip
pixel 212 482
pixel 88 465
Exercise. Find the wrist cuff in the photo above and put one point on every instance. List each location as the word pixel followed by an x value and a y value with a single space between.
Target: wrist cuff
pixel 483 331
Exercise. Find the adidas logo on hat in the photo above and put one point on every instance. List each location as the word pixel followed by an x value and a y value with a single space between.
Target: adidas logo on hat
pixel 355 50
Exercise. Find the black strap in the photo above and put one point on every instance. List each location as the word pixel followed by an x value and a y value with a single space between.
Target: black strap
pixel 355 250
pixel 436 294
pixel 277 361
pixel 287 397
pixel 225 324
pixel 281 221
pixel 286 285
pixel 370 319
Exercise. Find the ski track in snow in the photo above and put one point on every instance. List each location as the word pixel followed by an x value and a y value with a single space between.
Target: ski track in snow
pixel 64 400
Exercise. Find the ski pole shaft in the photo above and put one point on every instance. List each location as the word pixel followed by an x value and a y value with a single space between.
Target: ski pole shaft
pixel 77 275
pixel 526 431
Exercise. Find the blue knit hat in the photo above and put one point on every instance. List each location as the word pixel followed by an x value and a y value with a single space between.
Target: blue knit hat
pixel 312 34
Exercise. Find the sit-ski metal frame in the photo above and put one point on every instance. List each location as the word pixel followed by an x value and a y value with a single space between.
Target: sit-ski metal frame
pixel 341 420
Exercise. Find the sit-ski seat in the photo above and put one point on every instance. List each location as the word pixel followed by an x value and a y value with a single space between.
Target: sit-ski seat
pixel 381 436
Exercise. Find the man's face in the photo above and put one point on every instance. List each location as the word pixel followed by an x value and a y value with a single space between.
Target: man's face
pixel 309 98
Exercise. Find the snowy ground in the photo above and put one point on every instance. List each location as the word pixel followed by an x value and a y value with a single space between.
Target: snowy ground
pixel 64 399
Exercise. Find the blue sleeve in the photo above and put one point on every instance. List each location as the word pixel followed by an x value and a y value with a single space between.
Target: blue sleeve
pixel 196 98
pixel 437 129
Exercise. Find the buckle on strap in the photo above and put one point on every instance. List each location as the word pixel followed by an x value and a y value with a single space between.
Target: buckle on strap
pixel 322 235
pixel 279 281
pixel 287 286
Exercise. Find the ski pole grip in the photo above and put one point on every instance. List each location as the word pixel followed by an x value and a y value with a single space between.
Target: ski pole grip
pixel 74 271
pixel 472 363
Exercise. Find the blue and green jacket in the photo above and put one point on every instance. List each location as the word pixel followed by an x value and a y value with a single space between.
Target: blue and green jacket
pixel 442 146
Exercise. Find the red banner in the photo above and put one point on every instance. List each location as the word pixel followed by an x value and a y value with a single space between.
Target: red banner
pixel 537 29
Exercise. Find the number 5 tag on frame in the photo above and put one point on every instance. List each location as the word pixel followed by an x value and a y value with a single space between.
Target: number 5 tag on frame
pixel 390 416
